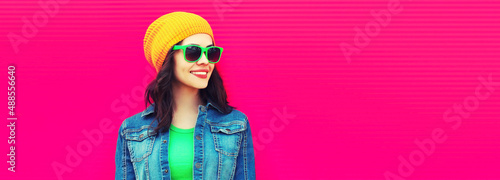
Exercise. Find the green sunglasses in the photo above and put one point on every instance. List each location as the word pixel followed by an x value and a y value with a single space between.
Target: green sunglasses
pixel 192 52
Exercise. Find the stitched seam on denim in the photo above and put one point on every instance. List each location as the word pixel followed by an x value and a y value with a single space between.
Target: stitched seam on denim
pixel 135 169
pixel 216 140
pixel 236 157
pixel 124 162
pixel 233 168
pixel 239 122
pixel 194 147
pixel 147 169
pixel 238 142
pixel 219 166
pixel 217 129
pixel 161 159
pixel 245 146
pixel 148 151
pixel 219 147
pixel 202 144
pixel 125 131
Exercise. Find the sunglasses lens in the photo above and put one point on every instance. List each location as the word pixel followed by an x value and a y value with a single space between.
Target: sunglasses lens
pixel 193 53
pixel 213 54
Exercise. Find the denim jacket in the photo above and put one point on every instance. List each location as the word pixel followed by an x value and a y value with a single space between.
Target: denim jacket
pixel 223 147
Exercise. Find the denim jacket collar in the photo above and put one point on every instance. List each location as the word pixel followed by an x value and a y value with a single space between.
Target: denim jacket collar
pixel 150 108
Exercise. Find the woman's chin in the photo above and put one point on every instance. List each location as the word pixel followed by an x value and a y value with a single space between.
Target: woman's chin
pixel 200 85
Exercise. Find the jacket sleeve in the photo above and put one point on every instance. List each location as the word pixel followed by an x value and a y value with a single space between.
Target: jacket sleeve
pixel 245 162
pixel 124 169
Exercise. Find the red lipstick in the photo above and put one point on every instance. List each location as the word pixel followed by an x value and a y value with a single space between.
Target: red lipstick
pixel 201 73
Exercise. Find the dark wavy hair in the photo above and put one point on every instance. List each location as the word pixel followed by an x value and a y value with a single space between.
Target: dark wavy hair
pixel 160 92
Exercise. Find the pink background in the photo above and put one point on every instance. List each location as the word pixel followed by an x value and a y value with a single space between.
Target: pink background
pixel 346 120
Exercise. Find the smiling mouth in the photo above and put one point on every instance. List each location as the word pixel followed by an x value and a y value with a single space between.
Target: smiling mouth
pixel 199 73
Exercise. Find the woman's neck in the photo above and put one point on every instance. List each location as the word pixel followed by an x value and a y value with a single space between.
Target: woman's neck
pixel 187 99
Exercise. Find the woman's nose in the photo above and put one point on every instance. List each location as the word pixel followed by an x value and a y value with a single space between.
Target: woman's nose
pixel 203 59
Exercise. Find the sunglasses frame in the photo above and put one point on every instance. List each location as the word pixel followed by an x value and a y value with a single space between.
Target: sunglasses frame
pixel 203 51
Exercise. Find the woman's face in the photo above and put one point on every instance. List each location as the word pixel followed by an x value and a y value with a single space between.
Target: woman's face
pixel 184 70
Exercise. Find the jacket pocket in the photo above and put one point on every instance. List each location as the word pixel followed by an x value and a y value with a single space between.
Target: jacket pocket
pixel 140 142
pixel 228 136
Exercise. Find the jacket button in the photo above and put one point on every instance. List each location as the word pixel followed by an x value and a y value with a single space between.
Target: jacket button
pixel 166 170
pixel 198 165
pixel 203 109
pixel 164 141
pixel 198 137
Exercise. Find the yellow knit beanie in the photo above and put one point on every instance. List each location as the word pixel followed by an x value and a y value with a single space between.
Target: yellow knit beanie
pixel 169 29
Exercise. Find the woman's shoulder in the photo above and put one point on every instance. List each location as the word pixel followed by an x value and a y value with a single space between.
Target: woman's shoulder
pixel 139 120
pixel 233 117
pixel 238 114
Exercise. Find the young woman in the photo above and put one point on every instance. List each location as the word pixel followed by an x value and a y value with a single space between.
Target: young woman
pixel 188 131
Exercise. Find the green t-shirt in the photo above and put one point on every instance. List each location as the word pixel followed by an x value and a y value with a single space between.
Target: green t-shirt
pixel 180 153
